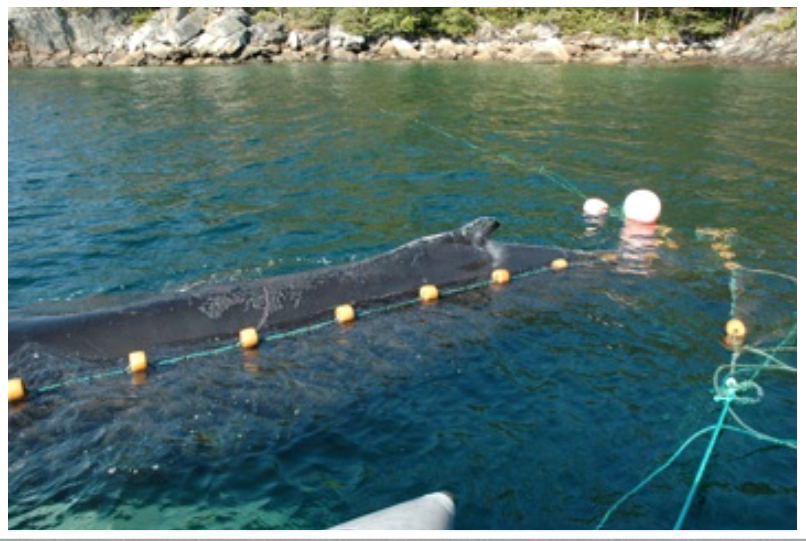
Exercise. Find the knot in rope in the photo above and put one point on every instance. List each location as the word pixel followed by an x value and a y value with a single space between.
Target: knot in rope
pixel 733 388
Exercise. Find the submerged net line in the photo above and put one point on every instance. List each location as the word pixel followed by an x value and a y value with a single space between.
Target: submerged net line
pixel 555 178
pixel 306 329
pixel 729 391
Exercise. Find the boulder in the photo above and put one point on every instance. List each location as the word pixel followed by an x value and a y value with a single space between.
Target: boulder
pixel 343 55
pixel 527 31
pixel 339 39
pixel 404 49
pixel 487 52
pixel 137 58
pixel 550 51
pixel 428 49
pixel 94 59
pixel 605 58
pixel 189 27
pixel 447 50
pixel 271 33
pixel 602 43
pixel 225 37
pixel 294 41
pixel 399 48
pixel 629 48
pixel 317 40
pixel 573 49
pixel 540 52
pixel 487 32
pixel 96 30
pixel 160 51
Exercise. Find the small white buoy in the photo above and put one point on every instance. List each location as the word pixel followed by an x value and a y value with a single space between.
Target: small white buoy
pixel 642 206
pixel 595 208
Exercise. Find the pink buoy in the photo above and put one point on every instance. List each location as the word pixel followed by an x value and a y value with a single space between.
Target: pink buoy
pixel 642 206
pixel 595 207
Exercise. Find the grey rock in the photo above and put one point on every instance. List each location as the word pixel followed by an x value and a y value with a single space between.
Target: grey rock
pixel 487 32
pixel 540 52
pixel 339 39
pixel 190 27
pixel 60 32
pixel 605 58
pixel 318 39
pixel 294 41
pixel 343 55
pixel 271 33
pixel 447 50
pixel 404 49
pixel 137 58
pixel 225 37
pixel 160 51
pixel 43 30
pixel 762 42
pixel 19 59
pixel 527 31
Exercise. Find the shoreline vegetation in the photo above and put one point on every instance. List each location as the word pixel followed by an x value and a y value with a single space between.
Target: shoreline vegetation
pixel 132 37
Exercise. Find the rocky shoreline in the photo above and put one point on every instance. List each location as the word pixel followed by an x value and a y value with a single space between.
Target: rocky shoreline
pixel 58 38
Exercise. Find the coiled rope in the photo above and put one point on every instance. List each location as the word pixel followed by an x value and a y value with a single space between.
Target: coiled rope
pixel 729 390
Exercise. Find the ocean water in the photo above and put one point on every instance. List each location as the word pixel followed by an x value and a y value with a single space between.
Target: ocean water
pixel 538 405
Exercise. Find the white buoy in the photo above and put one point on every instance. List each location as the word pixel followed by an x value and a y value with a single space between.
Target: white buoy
pixel 595 208
pixel 642 206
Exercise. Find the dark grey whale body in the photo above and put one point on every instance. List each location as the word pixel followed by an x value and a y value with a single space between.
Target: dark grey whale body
pixel 283 302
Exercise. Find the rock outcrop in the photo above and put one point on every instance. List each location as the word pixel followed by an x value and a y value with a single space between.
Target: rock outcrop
pixel 764 41
pixel 85 37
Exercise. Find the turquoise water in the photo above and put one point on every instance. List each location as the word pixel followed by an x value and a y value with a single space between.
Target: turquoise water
pixel 538 405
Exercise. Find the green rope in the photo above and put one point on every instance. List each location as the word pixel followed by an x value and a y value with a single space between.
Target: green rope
pixel 703 465
pixel 80 379
pixel 666 465
pixel 677 454
pixel 197 355
pixel 366 313
pixel 555 178
pixel 727 395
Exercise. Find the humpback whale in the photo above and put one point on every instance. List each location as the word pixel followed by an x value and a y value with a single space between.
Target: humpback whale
pixel 465 255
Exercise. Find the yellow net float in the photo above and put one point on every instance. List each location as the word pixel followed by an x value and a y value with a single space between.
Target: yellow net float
pixel 249 338
pixel 16 390
pixel 736 329
pixel 429 293
pixel 559 264
pixel 138 362
pixel 501 276
pixel 727 255
pixel 345 314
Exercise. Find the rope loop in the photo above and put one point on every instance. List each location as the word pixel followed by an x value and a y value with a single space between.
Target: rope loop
pixel 732 389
